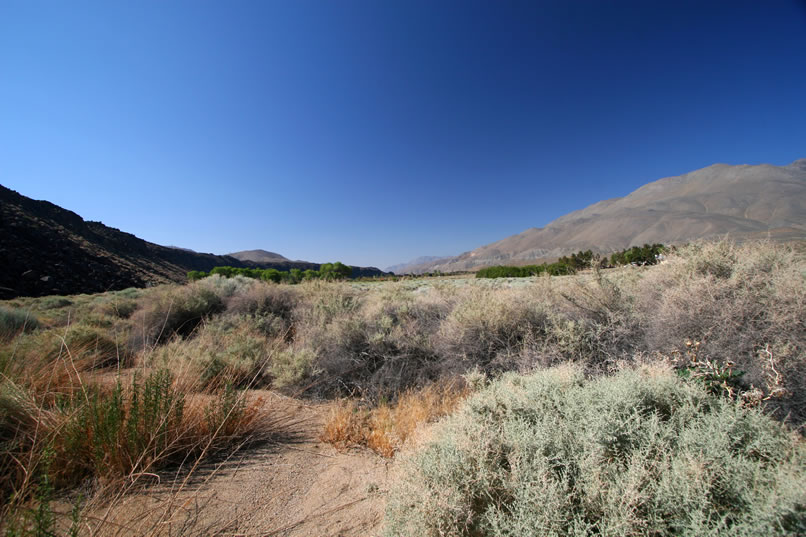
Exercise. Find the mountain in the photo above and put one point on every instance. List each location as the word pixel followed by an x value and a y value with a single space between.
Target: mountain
pixel 747 201
pixel 404 268
pixel 49 250
pixel 258 256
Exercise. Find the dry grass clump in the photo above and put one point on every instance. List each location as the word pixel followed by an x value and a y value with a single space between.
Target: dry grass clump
pixel 264 300
pixel 65 424
pixel 93 347
pixel 638 453
pixel 50 362
pixel 111 437
pixel 117 431
pixel 223 350
pixel 174 311
pixel 386 427
pixel 13 321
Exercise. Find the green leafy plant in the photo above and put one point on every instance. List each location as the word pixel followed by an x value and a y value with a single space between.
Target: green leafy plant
pixel 719 379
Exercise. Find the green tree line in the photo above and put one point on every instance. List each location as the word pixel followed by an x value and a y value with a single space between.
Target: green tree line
pixel 641 255
pixel 327 271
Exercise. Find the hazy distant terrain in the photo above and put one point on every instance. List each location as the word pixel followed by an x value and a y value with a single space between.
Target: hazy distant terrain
pixel 403 268
pixel 49 250
pixel 739 201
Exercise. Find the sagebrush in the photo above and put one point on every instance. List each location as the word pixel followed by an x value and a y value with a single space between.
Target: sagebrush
pixel 638 453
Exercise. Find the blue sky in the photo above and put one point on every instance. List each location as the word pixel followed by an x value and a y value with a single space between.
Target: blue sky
pixel 373 132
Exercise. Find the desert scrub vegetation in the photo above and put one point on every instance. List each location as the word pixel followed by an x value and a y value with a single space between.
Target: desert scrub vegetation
pixel 81 410
pixel 744 304
pixel 177 311
pixel 640 452
pixel 106 438
pixel 729 318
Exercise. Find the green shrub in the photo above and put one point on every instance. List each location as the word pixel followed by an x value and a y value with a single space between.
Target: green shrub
pixel 106 433
pixel 290 367
pixel 195 275
pixel 127 430
pixel 335 271
pixel 239 362
pixel 327 271
pixel 635 454
pixel 564 266
pixel 502 272
pixel 13 321
pixel 640 255
pixel 271 275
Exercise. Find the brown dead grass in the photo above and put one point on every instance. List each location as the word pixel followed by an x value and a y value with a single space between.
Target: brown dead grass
pixel 385 428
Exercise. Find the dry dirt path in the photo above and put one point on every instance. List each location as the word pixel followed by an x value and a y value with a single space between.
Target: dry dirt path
pixel 293 486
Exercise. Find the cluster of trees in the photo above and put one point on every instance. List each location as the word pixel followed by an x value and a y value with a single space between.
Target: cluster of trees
pixel 641 255
pixel 328 271
pixel 648 254
pixel 578 261
pixel 565 265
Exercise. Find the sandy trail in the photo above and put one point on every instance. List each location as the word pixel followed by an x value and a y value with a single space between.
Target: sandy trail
pixel 293 486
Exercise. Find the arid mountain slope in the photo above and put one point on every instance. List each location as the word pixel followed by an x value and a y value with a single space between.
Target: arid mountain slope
pixel 45 250
pixel 738 201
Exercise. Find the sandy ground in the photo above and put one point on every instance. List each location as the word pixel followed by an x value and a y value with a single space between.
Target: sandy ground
pixel 294 485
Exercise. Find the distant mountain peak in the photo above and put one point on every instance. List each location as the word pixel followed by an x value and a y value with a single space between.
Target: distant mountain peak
pixel 403 268
pixel 258 256
pixel 741 201
pixel 799 164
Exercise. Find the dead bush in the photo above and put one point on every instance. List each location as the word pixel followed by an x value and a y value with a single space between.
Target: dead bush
pixel 264 300
pixel 737 301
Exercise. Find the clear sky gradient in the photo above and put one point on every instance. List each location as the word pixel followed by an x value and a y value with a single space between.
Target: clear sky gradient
pixel 373 132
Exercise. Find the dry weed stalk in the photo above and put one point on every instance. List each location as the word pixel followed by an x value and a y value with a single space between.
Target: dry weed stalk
pixel 387 427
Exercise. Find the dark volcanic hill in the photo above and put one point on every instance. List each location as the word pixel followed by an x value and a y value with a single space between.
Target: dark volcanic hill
pixel 738 201
pixel 46 250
